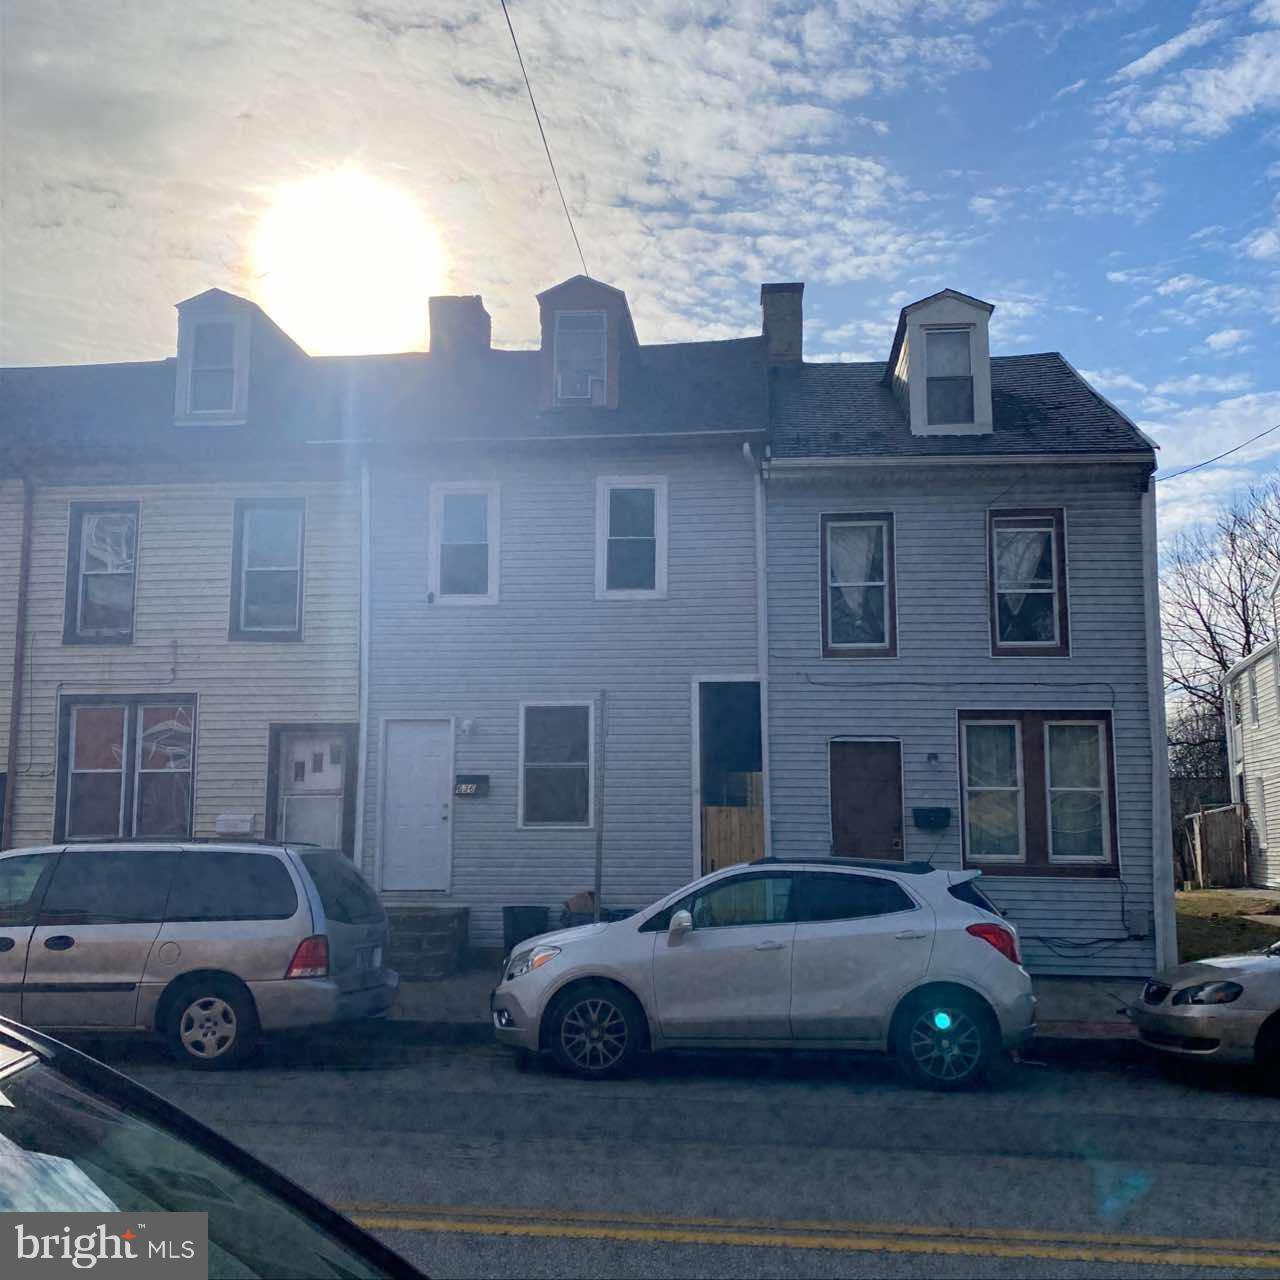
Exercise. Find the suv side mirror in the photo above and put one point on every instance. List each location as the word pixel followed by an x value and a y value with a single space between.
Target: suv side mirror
pixel 681 923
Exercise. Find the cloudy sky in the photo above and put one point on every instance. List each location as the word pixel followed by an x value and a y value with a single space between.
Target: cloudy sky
pixel 1107 172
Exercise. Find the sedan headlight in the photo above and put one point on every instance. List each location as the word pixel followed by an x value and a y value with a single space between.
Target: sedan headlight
pixel 526 961
pixel 1209 993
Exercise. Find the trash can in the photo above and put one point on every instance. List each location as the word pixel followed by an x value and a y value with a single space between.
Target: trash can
pixel 519 923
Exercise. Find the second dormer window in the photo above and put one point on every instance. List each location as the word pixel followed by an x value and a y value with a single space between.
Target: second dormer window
pixel 581 357
pixel 213 367
pixel 949 377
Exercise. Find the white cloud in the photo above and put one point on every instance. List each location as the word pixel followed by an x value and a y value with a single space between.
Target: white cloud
pixel 1226 339
pixel 1203 383
pixel 1264 244
pixel 1179 284
pixel 1165 53
pixel 1112 380
pixel 1068 89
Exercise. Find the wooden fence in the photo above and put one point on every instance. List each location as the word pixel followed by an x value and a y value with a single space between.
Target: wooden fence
pixel 1213 852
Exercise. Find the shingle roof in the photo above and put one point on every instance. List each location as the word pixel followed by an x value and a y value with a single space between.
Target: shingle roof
pixel 398 399
pixel 1039 405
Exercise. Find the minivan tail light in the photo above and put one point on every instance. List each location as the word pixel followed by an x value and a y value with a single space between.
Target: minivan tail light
pixel 311 960
pixel 999 937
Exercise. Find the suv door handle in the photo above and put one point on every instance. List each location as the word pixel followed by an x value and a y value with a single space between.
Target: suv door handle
pixel 770 946
pixel 60 942
pixel 910 935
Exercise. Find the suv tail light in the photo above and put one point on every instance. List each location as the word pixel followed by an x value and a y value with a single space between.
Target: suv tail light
pixel 999 937
pixel 311 960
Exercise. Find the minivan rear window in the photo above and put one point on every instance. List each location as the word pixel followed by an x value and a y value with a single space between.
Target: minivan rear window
pixel 344 892
pixel 218 884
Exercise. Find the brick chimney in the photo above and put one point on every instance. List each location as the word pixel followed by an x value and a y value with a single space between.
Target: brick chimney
pixel 783 315
pixel 459 325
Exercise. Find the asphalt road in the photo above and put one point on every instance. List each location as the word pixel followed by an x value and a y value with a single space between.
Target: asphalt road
pixel 759 1166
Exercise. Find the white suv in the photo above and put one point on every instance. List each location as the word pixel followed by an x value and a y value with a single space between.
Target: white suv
pixel 801 954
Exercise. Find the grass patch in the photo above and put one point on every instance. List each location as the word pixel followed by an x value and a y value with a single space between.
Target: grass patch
pixel 1211 923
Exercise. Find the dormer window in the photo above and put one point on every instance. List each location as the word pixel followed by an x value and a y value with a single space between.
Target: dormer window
pixel 949 377
pixel 581 357
pixel 213 368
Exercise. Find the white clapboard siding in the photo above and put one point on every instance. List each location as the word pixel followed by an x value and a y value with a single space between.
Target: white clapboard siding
pixel 944 664
pixel 549 638
pixel 1259 762
pixel 180 636
pixel 10 549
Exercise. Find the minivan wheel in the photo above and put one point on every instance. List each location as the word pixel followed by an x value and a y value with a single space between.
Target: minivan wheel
pixel 211 1025
pixel 594 1030
pixel 946 1041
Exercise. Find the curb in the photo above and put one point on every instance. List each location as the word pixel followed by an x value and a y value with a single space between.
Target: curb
pixel 1059 1047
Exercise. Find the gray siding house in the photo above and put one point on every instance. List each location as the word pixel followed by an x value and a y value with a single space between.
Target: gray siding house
pixel 563 657
pixel 963 634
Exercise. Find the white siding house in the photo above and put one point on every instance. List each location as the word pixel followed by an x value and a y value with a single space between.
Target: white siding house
pixel 1252 699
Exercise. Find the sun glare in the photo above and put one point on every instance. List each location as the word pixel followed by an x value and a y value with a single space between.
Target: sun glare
pixel 345 263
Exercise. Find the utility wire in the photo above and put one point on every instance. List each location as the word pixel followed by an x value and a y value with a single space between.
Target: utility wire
pixel 545 144
pixel 1229 452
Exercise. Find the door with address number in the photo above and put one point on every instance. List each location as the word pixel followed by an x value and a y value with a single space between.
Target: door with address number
pixel 417 803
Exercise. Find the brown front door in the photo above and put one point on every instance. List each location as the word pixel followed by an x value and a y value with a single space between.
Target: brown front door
pixel 866 800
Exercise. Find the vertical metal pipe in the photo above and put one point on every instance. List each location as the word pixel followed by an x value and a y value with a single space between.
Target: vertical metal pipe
pixel 19 662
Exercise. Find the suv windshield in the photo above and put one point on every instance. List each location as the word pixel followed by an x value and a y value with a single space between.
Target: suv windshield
pixel 63 1149
pixel 345 894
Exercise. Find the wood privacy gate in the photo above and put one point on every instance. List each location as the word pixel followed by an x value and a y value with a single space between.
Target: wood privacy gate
pixel 1213 853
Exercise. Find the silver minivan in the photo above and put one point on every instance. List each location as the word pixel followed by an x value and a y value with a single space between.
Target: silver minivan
pixel 205 943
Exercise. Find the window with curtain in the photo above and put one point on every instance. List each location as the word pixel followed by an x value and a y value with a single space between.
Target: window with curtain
pixel 1028 588
pixel 858 591
pixel 1038 792
pixel 125 767
pixel 101 573
pixel 992 761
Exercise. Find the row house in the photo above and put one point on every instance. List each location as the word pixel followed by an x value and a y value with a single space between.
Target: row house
pixel 602 615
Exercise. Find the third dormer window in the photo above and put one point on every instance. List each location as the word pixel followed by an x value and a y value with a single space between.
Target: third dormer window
pixel 581 357
pixel 949 375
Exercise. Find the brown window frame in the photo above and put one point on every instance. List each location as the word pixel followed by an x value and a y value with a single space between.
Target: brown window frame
pixel 72 632
pixel 890 648
pixel 1030 518
pixel 1035 859
pixel 236 630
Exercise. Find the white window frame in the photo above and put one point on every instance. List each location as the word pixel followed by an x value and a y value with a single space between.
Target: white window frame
pixel 1251 678
pixel 184 414
pixel 966 329
pixel 998 642
pixel 969 855
pixel 604 487
pixel 555 358
pixel 890 556
pixel 1104 787
pixel 436 496
pixel 590 823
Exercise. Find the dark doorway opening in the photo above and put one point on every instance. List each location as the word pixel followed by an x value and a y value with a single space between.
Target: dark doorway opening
pixel 731 772
pixel 866 800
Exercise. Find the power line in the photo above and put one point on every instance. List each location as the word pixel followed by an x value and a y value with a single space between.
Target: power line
pixel 1227 454
pixel 545 144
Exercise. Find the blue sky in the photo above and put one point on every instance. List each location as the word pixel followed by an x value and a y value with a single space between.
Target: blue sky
pixel 1106 172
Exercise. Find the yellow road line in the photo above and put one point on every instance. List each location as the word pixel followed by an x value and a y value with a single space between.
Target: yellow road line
pixel 840 1243
pixel 1046 1234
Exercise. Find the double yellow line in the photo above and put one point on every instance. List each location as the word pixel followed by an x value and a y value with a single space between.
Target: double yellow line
pixel 855 1237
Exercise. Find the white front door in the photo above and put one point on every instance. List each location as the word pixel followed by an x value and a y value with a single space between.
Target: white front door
pixel 417 764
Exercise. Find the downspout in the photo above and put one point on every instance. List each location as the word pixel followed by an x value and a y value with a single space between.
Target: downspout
pixel 362 733
pixel 19 662
pixel 1163 916
pixel 762 640
pixel 1228 725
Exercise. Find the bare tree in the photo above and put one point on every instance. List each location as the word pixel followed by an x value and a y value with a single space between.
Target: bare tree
pixel 1214 611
